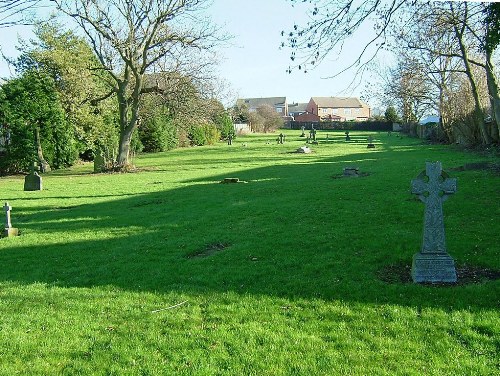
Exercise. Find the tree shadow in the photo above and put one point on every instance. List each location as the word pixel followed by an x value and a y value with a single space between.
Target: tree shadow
pixel 144 242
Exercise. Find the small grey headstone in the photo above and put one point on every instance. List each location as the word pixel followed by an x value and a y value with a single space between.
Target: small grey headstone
pixel 303 149
pixel 351 171
pixel 99 163
pixel 370 145
pixel 33 182
pixel 232 181
pixel 433 263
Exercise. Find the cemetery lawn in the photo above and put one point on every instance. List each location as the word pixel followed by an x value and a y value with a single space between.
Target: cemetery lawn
pixel 297 272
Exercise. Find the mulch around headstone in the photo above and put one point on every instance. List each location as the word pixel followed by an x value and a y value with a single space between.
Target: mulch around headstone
pixel 466 274
pixel 208 250
pixel 359 175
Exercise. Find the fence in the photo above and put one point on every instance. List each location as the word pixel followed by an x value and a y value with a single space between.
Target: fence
pixel 385 126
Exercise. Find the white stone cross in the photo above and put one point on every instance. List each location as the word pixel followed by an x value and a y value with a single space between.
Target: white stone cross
pixel 7 209
pixel 433 188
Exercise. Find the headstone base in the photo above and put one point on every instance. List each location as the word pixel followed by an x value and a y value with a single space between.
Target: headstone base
pixel 351 171
pixel 303 149
pixel 433 268
pixel 33 182
pixel 10 232
pixel 371 146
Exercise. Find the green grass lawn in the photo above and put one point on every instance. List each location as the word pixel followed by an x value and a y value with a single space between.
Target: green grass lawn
pixel 166 272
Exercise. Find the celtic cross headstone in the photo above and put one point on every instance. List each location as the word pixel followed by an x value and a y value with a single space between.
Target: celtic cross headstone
pixel 433 263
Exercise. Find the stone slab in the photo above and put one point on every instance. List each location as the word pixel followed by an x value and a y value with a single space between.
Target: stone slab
pixel 433 268
pixel 10 232
pixel 303 149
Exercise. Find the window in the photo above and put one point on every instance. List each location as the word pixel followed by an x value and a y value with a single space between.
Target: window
pixel 325 110
pixel 357 111
pixel 347 111
pixel 279 109
pixel 335 111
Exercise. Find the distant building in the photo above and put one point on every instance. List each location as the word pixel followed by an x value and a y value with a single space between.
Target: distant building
pixel 338 108
pixel 296 109
pixel 278 103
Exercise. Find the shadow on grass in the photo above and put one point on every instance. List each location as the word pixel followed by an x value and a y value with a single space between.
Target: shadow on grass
pixel 291 232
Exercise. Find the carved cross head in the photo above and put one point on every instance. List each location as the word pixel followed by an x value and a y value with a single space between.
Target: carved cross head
pixel 433 183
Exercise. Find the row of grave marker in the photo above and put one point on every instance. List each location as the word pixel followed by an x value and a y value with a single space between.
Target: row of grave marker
pixel 433 263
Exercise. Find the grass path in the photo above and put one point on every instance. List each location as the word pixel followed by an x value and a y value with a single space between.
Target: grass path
pixel 167 272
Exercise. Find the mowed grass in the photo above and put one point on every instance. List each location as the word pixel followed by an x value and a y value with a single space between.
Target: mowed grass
pixel 166 272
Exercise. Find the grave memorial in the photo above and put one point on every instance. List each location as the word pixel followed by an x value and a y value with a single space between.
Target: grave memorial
pixel 303 133
pixel 33 181
pixel 8 231
pixel 347 138
pixel 370 145
pixel 433 264
pixel 281 138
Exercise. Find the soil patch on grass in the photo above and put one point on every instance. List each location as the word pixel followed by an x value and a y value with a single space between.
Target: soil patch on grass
pixel 208 250
pixel 478 166
pixel 466 274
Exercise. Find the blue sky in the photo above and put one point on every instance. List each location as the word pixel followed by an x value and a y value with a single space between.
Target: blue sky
pixel 253 64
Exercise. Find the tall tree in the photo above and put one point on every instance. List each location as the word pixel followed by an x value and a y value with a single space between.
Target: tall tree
pixel 75 70
pixel 130 38
pixel 31 109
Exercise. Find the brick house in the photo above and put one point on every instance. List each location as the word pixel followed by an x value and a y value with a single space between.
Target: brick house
pixel 339 108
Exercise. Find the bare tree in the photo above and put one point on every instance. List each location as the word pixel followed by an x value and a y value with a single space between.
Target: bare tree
pixel 130 38
pixel 18 12
pixel 333 22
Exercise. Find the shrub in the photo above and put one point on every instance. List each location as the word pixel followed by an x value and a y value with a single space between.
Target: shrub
pixel 158 133
pixel 205 133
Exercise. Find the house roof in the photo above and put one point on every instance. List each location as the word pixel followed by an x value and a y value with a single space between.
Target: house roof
pixel 297 107
pixel 339 102
pixel 257 102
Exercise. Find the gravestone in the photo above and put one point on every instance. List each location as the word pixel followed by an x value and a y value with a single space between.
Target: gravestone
pixel 33 181
pixel 303 150
pixel 347 138
pixel 232 181
pixel 230 139
pixel 370 145
pixel 8 231
pixel 433 263
pixel 99 163
pixel 312 134
pixel 281 138
pixel 303 133
pixel 351 171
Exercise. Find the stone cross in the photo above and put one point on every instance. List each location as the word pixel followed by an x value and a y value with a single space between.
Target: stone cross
pixel 7 209
pixel 433 264
pixel 433 188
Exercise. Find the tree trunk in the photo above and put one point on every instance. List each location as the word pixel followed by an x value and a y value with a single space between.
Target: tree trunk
pixel 478 112
pixel 494 96
pixel 44 165
pixel 129 114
